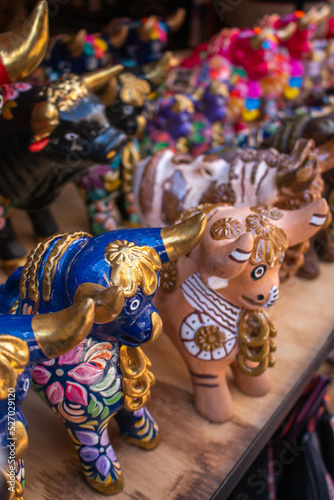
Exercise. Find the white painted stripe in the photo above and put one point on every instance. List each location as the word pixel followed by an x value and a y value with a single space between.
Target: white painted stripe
pixel 242 257
pixel 318 220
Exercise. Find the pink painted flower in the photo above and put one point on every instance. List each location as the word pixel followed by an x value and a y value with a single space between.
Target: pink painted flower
pixel 76 393
pixel 55 393
pixel 22 86
pixel 72 357
pixel 40 375
pixel 85 373
pixel 12 93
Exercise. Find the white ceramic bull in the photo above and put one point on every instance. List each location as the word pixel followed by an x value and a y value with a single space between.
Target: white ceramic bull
pixel 213 300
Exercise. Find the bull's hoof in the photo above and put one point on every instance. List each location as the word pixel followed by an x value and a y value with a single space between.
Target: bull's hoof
pixel 146 445
pixel 107 489
pixel 10 265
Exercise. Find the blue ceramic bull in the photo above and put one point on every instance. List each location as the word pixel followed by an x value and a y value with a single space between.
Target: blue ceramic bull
pixel 107 374
pixel 24 341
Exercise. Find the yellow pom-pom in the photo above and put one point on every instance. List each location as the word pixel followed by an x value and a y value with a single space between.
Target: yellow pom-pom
pixel 291 93
pixel 101 44
pixel 250 116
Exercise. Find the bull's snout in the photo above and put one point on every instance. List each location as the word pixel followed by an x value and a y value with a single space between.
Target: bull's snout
pixel 273 296
pixel 108 144
pixel 156 328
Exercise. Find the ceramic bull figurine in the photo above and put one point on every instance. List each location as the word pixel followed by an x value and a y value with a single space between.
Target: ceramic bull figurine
pixel 132 43
pixel 50 135
pixel 107 374
pixel 24 341
pixel 218 295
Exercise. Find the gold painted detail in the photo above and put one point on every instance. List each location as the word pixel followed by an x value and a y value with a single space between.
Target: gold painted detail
pixel 111 487
pixel 19 492
pixel 181 238
pixel 209 338
pixel 168 277
pixel 133 266
pixel 271 212
pixel 130 159
pixel 136 377
pixel 29 278
pixel 14 356
pixel 65 91
pixel 182 103
pixel 270 241
pixel 227 228
pixel 14 307
pixel 256 334
pixel 134 90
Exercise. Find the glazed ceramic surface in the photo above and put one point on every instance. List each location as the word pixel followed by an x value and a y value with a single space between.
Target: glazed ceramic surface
pixel 214 300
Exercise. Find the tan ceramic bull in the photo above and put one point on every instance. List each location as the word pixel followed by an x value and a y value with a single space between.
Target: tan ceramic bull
pixel 213 301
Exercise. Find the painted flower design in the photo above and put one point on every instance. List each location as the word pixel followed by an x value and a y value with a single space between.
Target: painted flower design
pixel 271 212
pixel 269 240
pixel 226 228
pixel 96 448
pixel 209 338
pixel 168 277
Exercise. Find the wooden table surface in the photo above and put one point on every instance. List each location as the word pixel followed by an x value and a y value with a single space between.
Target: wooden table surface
pixel 195 457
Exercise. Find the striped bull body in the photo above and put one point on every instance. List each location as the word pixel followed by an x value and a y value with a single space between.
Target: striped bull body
pixel 214 300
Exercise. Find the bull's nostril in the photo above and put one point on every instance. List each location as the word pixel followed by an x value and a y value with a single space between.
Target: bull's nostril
pixel 260 297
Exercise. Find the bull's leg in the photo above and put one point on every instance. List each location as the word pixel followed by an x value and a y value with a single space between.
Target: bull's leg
pixel 138 428
pixel 253 386
pixel 12 253
pixel 43 223
pixel 98 460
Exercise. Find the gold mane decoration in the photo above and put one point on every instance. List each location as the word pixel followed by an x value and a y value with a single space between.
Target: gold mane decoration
pixel 133 266
pixel 65 91
pixel 29 278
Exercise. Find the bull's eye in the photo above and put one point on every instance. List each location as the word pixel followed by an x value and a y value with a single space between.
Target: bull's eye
pixel 281 258
pixel 258 272
pixel 71 136
pixel 128 109
pixel 134 305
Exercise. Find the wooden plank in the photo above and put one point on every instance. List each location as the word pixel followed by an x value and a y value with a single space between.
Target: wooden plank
pixel 195 457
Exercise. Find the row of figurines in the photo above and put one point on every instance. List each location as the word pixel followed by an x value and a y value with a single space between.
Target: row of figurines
pixel 95 295
pixel 83 128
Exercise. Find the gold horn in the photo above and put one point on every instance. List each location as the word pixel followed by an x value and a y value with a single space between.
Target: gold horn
pixel 22 49
pixel 58 333
pixel 108 301
pixel 285 33
pixel 156 72
pixel 181 238
pixel 176 20
pixel 96 80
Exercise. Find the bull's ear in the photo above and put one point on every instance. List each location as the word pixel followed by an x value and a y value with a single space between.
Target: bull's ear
pixel 300 225
pixel 103 83
pixel 175 21
pixel 108 301
pixel 224 258
pixel 156 72
pixel 44 120
pixel 76 43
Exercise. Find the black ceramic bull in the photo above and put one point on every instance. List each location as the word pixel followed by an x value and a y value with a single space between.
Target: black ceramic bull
pixel 50 135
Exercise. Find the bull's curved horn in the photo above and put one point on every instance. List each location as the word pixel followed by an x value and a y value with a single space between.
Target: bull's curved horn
pixel 176 20
pixel 22 49
pixel 156 73
pixel 322 14
pixel 181 238
pixel 44 120
pixel 118 36
pixel 257 40
pixel 75 43
pixel 285 33
pixel 103 82
pixel 96 80
pixel 309 17
pixel 299 178
pixel 58 333
pixel 325 155
pixel 108 301
pixel 144 32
